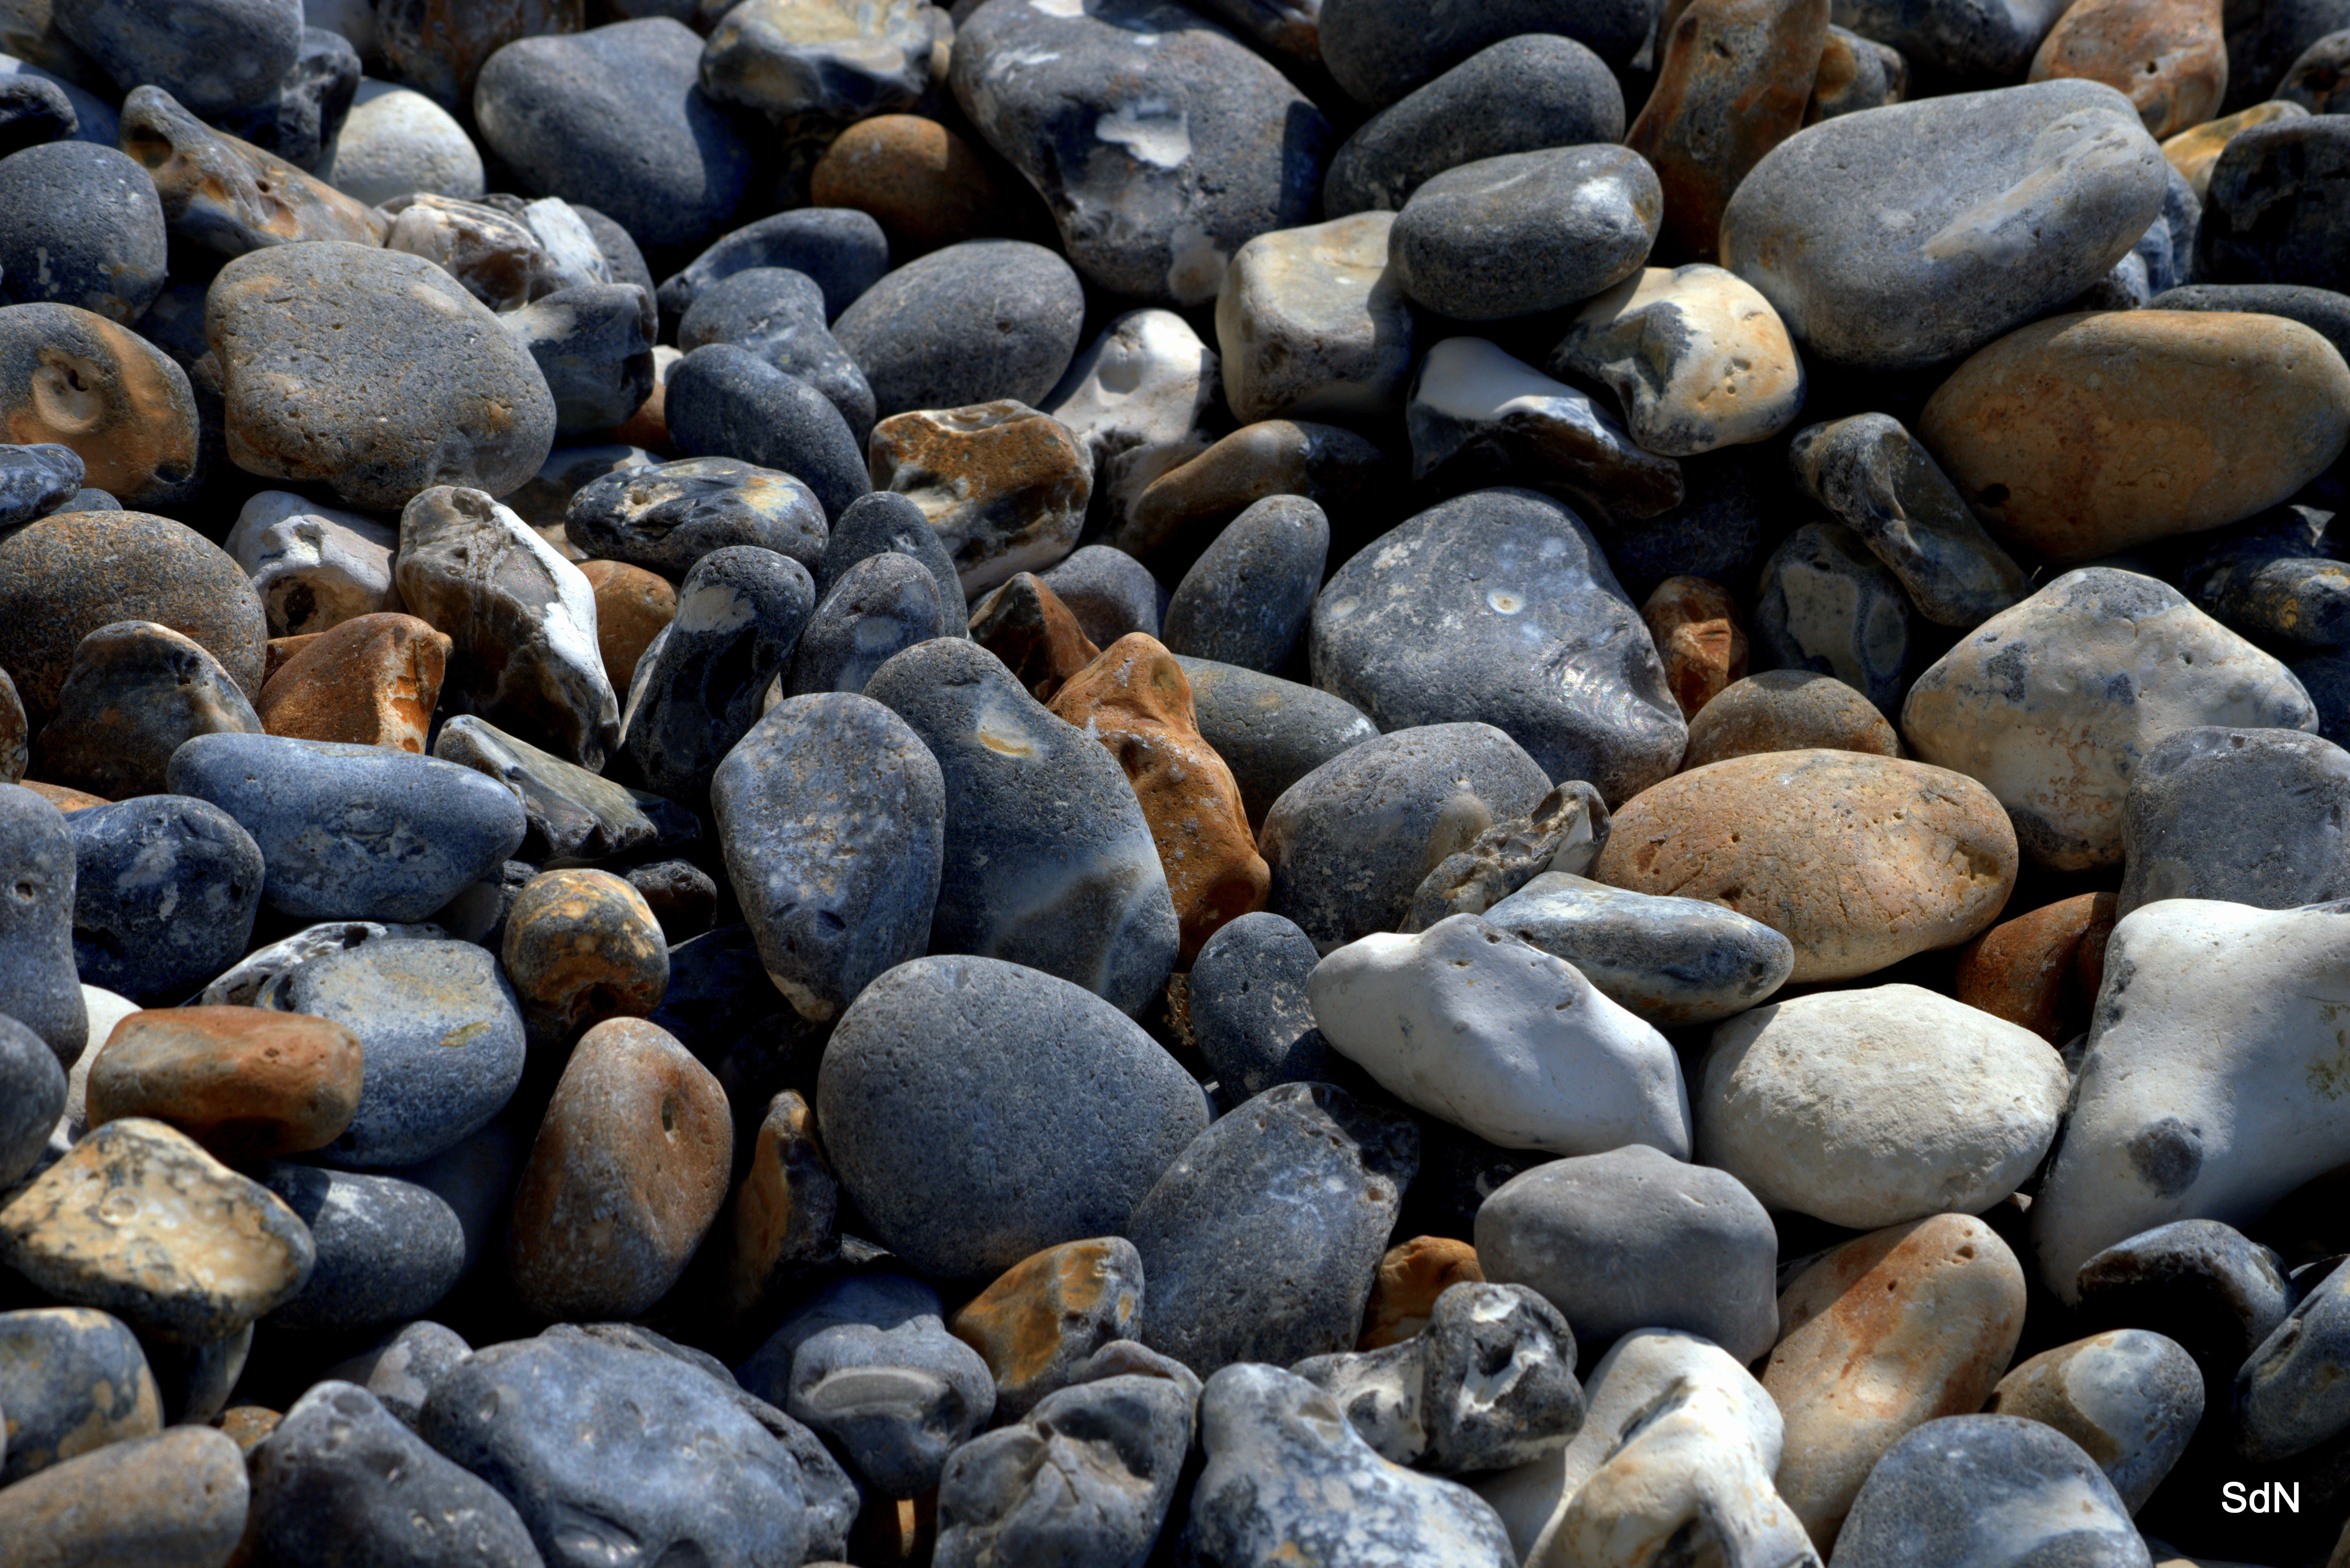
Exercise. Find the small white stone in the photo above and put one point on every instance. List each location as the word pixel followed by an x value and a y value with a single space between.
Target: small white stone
pixel 397 142
pixel 314 567
pixel 1695 355
pixel 1133 400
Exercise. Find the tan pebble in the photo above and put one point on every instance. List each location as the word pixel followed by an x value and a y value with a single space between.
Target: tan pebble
pixel 1694 623
pixel 247 1426
pixel 1047 1313
pixel 245 1083
pixel 1026 625
pixel 1787 711
pixel 176 1500
pixel 1005 487
pixel 784 1218
pixel 75 378
pixel 920 180
pixel 2041 969
pixel 632 605
pixel 1410 1278
pixel 1188 505
pixel 2167 56
pixel 582 945
pixel 373 680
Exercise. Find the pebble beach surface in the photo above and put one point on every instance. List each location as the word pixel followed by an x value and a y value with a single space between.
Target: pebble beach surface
pixel 1174 783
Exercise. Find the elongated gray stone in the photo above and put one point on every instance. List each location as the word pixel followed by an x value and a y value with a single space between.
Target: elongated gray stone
pixel 1673 962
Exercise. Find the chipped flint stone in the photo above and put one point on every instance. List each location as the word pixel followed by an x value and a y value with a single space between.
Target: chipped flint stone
pixel 1476 409
pixel 1564 833
pixel 574 817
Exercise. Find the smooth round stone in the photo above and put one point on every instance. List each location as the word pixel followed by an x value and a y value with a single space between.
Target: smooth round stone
pixel 842 61
pixel 1525 232
pixel 2279 791
pixel 397 141
pixel 1044 1111
pixel 180 1246
pixel 1311 323
pixel 669 516
pixel 1667 960
pixel 388 1249
pixel 1288 1475
pixel 612 117
pixel 656 1448
pixel 1213 145
pixel 72 1380
pixel 2287 1394
pixel 868 1363
pixel 2041 969
pixel 441 1037
pixel 2051 703
pixel 2112 42
pixel 134 693
pixel 1968 1489
pixel 724 401
pixel 625 1179
pixel 880 523
pixel 2128 1397
pixel 2011 202
pixel 1046 1316
pixel 1250 1014
pixel 353 832
pixel 882 606
pixel 1247 600
pixel 84 228
pixel 314 567
pixel 1270 732
pixel 342 1475
pixel 428 390
pixel 2193 152
pixel 2199 1282
pixel 1086 1478
pixel 843 250
pixel 779 315
pixel 1828 603
pixel 178 1497
pixel 593 342
pixel 1726 373
pixel 35 113
pixel 1635 1239
pixel 2270 215
pixel 1858 861
pixel 32 1099
pixel 246 1083
pixel 974 323
pixel 1005 487
pixel 1380 50
pixel 2084 435
pixel 920 180
pixel 1180 509
pixel 581 946
pixel 217 55
pixel 374 681
pixel 37 973
pixel 1070 883
pixel 1535 90
pixel 1880 1335
pixel 1832 1105
pixel 125 407
pixel 1696 629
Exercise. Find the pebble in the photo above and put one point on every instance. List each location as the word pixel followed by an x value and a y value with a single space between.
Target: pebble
pixel 36 480
pixel 844 251
pixel 1826 603
pixel 134 693
pixel 2274 579
pixel 72 1380
pixel 882 606
pixel 572 815
pixel 783 1220
pixel 1134 399
pixel 314 567
pixel 1250 1014
pixel 724 401
pixel 1935 868
pixel 243 985
pixel 2130 1399
pixel 1036 636
pixel 1724 371
pixel 1671 961
pixel 13 737
pixel 1246 601
pixel 128 413
pixel 373 680
pixel 1812 1105
pixel 1411 1279
pixel 223 195
pixel 1313 322
pixel 1854 1372
pixel 843 62
pixel 36 1085
pixel 2277 789
pixel 165 893
pixel 609 1210
pixel 1086 1476
pixel 441 1034
pixel 1478 414
pixel 2286 1402
pixel 397 141
pixel 431 392
pixel 220 54
pixel 388 1249
pixel 1971 1488
pixel 885 523
pixel 1564 829
pixel 2193 152
pixel 1517 1026
pixel 2014 202
pixel 1005 487
pixel 779 315
pixel 1525 232
pixel 2266 219
pixel 1380 49
pixel 920 180
pixel 172 1498
pixel 667 516
pixel 1695 625
pixel 2051 704
pixel 37 950
pixel 594 345
pixel 1085 1113
pixel 246 1085
pixel 632 606
pixel 86 229
pixel 2110 42
pixel 1160 143
pixel 582 945
pixel 1045 1316
pixel 972 323
pixel 2051 431
pixel 2041 969
pixel 1270 732
pixel 1181 509
pixel 697 689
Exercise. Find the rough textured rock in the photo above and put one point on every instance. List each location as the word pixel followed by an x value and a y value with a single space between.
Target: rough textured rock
pixel 87 230
pixel 133 694
pixel 314 567
pixel 1697 358
pixel 1005 487
pixel 572 814
pixel 1695 625
pixel 1026 624
pixel 2278 790
pixel 1826 603
pixel 176 1496
pixel 582 945
pixel 1086 1478
pixel 1477 415
pixel 1133 400
pixel 1969 1488
pixel 229 196
pixel 1311 323
pixel 1045 1316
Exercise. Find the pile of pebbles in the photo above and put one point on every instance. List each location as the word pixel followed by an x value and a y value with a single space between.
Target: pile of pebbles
pixel 1077 784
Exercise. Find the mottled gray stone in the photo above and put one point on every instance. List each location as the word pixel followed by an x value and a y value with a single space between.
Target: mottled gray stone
pixel 1381 50
pixel 1479 416
pixel 1247 598
pixel 832 814
pixel 2271 212
pixel 1499 606
pixel 2293 1393
pixel 724 401
pixel 1301 1173
pixel 1828 603
pixel 2278 576
pixel 216 55
pixel 1109 592
pixel 387 1249
pixel 1161 142
pixel 84 227
pixel 573 815
pixel 165 891
pixel 1526 232
pixel 1084 1480
pixel 842 249
pixel 1969 1491
pixel 837 63
pixel 441 1035
pixel 37 950
pixel 666 516
pixel 2199 1282
pixel 1673 962
pixel 593 343
pixel 36 480
pixel 1634 1239
pixel 972 323
pixel 71 1379
pixel 779 315
pixel 1251 1015
pixel 1067 880
pixel 134 693
pixel 699 686
pixel 886 522
pixel 2131 1398
pixel 2251 816
pixel 868 1363
pixel 1565 831
pixel 1534 90
pixel 882 606
pixel 401 1370
pixel 978 1112
pixel 32 1098
pixel 1974 41
pixel 300 121
pixel 1270 732
pixel 1288 1477
pixel 2010 202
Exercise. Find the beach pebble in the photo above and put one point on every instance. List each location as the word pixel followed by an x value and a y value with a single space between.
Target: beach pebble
pixel 923 183
pixel 175 1497
pixel 1563 832
pixel 2129 1398
pixel 1247 600
pixel 36 1085
pixel 36 949
pixel 1381 50
pixel 1670 961
pixel 1133 400
pixel 1181 510
pixel 133 694
pixel 1270 732
pixel 2286 1403
pixel 724 401
pixel 843 250
pixel 700 687
pixel 85 229
pixel 1045 1317
pixel 219 55
pixel 882 606
pixel 1973 1488
pixel 666 516
pixel 1005 487
pixel 843 62
pixel 373 680
pixel 1109 591
pixel 2269 216
pixel 127 410
pixel 593 343
pixel 246 1083
pixel 388 1249
pixel 2278 789
pixel 779 315
pixel 397 141
pixel 581 946
pixel 1724 371
pixel 1696 629
pixel 1829 603
pixel 223 195
pixel 1251 1012
pixel 1086 1476
pixel 632 606
pixel 1312 323
pixel 314 567
pixel 1478 415
pixel 2110 41
pixel 784 1218
pixel 72 1380
pixel 878 524
pixel 973 322
pixel 1025 624
pixel 571 814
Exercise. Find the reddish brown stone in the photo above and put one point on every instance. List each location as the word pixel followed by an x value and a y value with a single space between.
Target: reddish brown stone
pixel 373 680
pixel 921 181
pixel 1136 699
pixel 632 605
pixel 2167 56
pixel 247 1425
pixel 783 1218
pixel 1185 507
pixel 245 1083
pixel 582 945
pixel 1409 1279
pixel 1694 623
pixel 75 378
pixel 2041 969
pixel 64 798
pixel 14 734
pixel 1025 624
pixel 1004 487
pixel 277 650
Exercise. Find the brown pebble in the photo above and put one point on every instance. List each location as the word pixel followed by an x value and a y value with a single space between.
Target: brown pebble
pixel 2193 152
pixel 228 194
pixel 1004 487
pixel 1787 711
pixel 2167 56
pixel 632 605
pixel 1185 507
pixel 1025 624
pixel 625 1179
pixel 371 681
pixel 582 945
pixel 1410 1278
pixel 784 1218
pixel 75 378
pixel 176 1500
pixel 2041 969
pixel 64 798
pixel 1135 701
pixel 921 181
pixel 277 650
pixel 134 693
pixel 1047 1313
pixel 1694 623
pixel 247 1426
pixel 245 1083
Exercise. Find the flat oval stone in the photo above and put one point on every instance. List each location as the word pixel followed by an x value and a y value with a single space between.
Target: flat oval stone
pixel 920 180
pixel 2129 1398
pixel 227 195
pixel 1047 1314
pixel 2051 703
pixel 133 694
pixel 1973 1488
pixel 1312 323
pixel 314 567
pixel 371 681
pixel 165 893
pixel 1858 861
pixel 388 1249
pixel 36 949
pixel 2083 435
pixel 353 832
pixel 940 1046
pixel 2276 789
pixel 85 229
pixel 1161 142
pixel 1005 487
pixel 2111 42
pixel 1247 600
pixel 246 1083
pixel 82 382
pixel 176 1496
pixel 582 945
pixel 625 1179
pixel 2025 197
pixel 926 335
pixel 1830 1104
pixel 1882 1335
pixel 136 1219
pixel 1669 960
pixel 72 1380
pixel 1270 732
pixel 1525 232
pixel 1181 509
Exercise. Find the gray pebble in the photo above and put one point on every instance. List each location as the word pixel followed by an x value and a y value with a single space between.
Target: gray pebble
pixel 83 227
pixel 1673 962
pixel 779 315
pixel 1270 732
pixel 2277 577
pixel 34 113
pixel 32 1098
pixel 723 402
pixel 841 248
pixel 973 322
pixel 37 951
pixel 401 1371
pixel 593 342
pixel 1109 592
pixel 2294 1391
pixel 665 516
pixel 387 1249
pixel 699 686
pixel 1526 232
pixel 572 815
pixel 882 606
pixel 1979 42
pixel 1565 831
pixel 1381 50
pixel 1085 1480
pixel 2270 212
pixel 883 522
pixel 2251 817
pixel 253 981
pixel 165 892
pixel 36 480
pixel 2132 1398
pixel 1828 603
pixel 71 1379
pixel 1973 1491
pixel 1247 598
pixel 215 55
pixel 2198 1282
pixel 1251 1015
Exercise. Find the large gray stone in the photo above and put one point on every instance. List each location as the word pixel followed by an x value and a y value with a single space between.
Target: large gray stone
pixel 2250 816
pixel 1270 732
pixel 1966 1491
pixel 700 684
pixel 1084 1480
pixel 1526 232
pixel 973 322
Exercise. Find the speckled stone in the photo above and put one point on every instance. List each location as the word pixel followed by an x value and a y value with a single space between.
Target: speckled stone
pixel 1525 232
pixel 86 229
pixel 625 1179
pixel 314 567
pixel 1270 732
pixel 1251 1015
pixel 699 687
pixel 402 1367
pixel 2129 1398
pixel 882 606
pixel 244 1084
pixel 2198 1282
pixel 133 694
pixel 72 1380
pixel 926 336
pixel 2275 577
pixel 2042 969
pixel 178 1497
pixel 37 951
pixel 234 1252
pixel 2051 704
pixel 1826 603
pixel 593 343
pixel 166 889
pixel 388 1249
pixel 2115 41
pixel 1073 883
pixel 1563 832
pixel 1312 323
pixel 883 523
pixel 1043 1317
pixel 845 62
pixel 396 141
pixel 582 945
pixel 1081 1111
pixel 220 54
pixel 2277 790
pixel 38 480
pixel 1005 487
pixel 920 180
pixel 227 195
pixel 1673 961
pixel 2267 214
pixel 493 253
pixel 1773 837
pixel 426 394
pixel 1247 600
pixel 1973 1488
pixel 79 380
pixel 15 732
